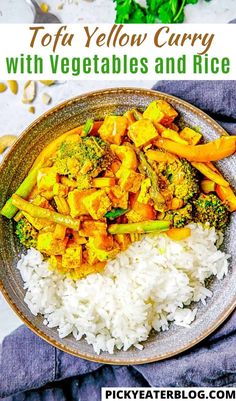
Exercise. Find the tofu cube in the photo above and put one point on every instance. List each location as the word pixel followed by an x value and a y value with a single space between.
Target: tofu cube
pixel 190 135
pixel 75 201
pixel 72 258
pixel 113 129
pixel 97 204
pixel 60 232
pixel 47 178
pixel 91 228
pixel 118 197
pixel 55 263
pixel 174 136
pixel 161 112
pixel 142 132
pixel 130 181
pixel 48 244
pixel 60 190
pixel 91 256
pixel 95 253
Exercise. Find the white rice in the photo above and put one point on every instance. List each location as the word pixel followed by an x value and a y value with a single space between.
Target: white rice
pixel 146 287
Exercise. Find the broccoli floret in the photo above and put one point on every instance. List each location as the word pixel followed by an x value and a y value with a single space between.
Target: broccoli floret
pixel 182 179
pixel 26 233
pixel 210 209
pixel 180 217
pixel 89 156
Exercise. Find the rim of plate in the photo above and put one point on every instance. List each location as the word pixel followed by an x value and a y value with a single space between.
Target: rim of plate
pixel 99 358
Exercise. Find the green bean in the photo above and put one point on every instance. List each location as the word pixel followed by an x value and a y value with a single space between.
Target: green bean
pixel 141 228
pixel 87 127
pixel 156 196
pixel 42 213
pixel 9 210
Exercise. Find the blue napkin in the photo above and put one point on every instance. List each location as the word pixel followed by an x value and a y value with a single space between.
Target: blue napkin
pixel 33 370
pixel 216 98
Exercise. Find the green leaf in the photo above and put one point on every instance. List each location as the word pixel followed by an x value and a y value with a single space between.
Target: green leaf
pixel 165 13
pixel 129 11
pixel 150 19
pixel 123 10
pixel 174 6
pixel 138 16
pixel 180 18
pixel 153 5
pixel 114 213
pixel 191 1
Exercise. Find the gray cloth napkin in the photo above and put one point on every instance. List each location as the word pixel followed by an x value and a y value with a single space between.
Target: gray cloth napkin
pixel 33 370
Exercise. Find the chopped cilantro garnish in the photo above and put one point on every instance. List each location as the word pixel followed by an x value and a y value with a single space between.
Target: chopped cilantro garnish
pixel 165 11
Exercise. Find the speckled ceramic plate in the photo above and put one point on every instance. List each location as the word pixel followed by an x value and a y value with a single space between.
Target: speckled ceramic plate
pixel 15 167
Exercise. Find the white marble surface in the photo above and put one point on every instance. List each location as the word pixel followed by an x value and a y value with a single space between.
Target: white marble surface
pixel 73 11
pixel 15 118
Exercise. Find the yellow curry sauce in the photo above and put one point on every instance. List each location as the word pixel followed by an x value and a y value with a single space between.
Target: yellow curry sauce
pixel 97 188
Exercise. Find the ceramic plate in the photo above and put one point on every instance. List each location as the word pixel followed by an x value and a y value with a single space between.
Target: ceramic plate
pixel 14 168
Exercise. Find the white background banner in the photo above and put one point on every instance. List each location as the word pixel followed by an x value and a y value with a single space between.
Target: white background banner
pixel 105 51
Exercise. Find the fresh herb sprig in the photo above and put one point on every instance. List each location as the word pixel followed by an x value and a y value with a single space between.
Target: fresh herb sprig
pixel 165 11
